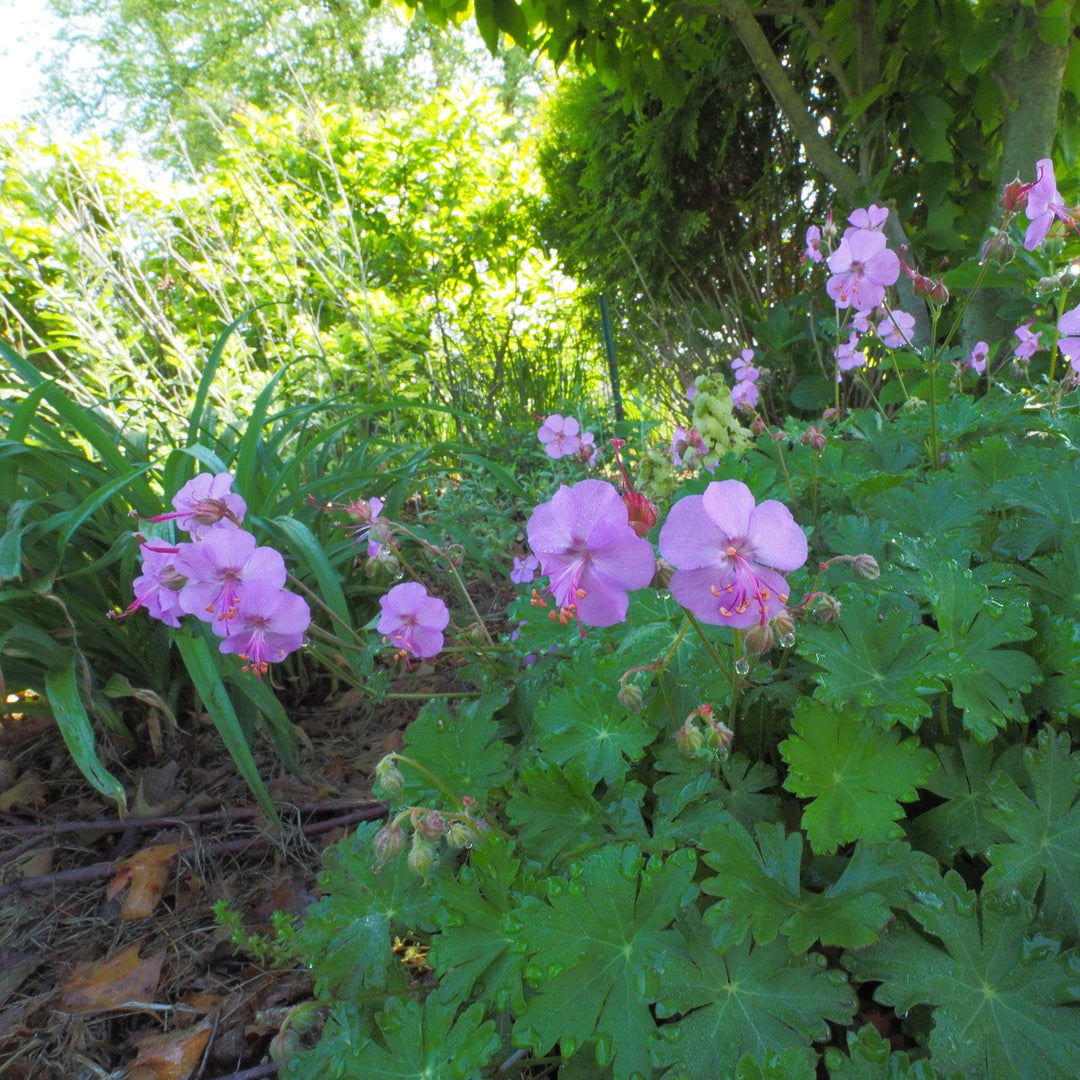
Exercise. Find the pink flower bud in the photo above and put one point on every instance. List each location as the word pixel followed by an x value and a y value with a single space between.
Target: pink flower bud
pixel 827 608
pixel 813 436
pixel 387 843
pixel 631 696
pixel 431 825
pixel 866 567
pixel 459 836
pixel 640 512
pixel 784 622
pixel 758 639
pixel 1014 196
pixel 999 249
pixel 719 737
pixel 662 576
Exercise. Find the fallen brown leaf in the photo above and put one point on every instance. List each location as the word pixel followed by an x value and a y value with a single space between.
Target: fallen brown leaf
pixel 156 791
pixel 147 872
pixel 170 1057
pixel 34 863
pixel 28 792
pixel 108 984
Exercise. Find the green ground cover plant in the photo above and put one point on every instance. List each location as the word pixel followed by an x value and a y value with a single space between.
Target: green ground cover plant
pixel 691 817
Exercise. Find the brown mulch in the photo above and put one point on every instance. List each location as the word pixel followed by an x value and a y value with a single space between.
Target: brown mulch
pixel 80 889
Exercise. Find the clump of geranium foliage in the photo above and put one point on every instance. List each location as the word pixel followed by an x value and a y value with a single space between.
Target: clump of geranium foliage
pixel 784 750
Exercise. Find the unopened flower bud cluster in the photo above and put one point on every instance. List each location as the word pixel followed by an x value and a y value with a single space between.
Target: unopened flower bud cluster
pixel 430 829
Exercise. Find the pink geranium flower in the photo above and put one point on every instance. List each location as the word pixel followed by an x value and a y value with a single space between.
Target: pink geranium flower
pixel 1069 342
pixel 896 329
pixel 205 503
pixel 587 448
pixel 862 268
pixel 978 358
pixel 686 445
pixel 813 245
pixel 157 587
pixel 269 624
pixel 727 552
pixel 413 620
pixel 217 566
pixel 590 552
pixel 1029 342
pixel 873 218
pixel 524 569
pixel 559 434
pixel 848 355
pixel 745 394
pixel 743 366
pixel 1044 204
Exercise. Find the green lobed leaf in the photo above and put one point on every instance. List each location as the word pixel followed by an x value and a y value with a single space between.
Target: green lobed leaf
pixel 868 1057
pixel 429 1041
pixel 986 678
pixel 855 775
pixel 597 947
pixel 961 821
pixel 885 666
pixel 1003 997
pixel 587 724
pixel 347 935
pixel 760 884
pixel 690 798
pixel 745 999
pixel 460 747
pixel 555 811
pixel 479 952
pixel 1042 859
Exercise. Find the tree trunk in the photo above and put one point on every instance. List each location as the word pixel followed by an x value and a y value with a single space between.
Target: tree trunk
pixel 1031 85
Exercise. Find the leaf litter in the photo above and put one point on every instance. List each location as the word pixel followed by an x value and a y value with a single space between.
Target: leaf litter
pixel 112 957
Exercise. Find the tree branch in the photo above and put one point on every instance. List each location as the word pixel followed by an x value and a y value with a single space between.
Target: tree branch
pixel 817 36
pixel 805 126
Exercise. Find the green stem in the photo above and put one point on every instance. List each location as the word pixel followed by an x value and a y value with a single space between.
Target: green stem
pixel 737 653
pixel 428 697
pixel 935 355
pixel 457 580
pixel 667 697
pixel 431 776
pixel 1054 350
pixel 319 602
pixel 836 385
pixel 710 648
pixel 675 644
pixel 958 321
pixel 899 374
pixel 783 465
